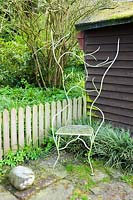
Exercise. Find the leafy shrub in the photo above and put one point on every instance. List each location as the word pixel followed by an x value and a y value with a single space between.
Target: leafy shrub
pixel 115 146
pixel 74 77
pixel 16 97
pixel 15 59
pixel 36 22
pixel 73 60
pixel 29 95
pixel 48 144
pixel 26 154
pixel 14 158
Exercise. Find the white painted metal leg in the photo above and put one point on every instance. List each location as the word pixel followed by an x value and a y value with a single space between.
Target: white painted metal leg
pixel 57 141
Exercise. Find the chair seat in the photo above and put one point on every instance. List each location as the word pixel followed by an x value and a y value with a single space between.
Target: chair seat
pixel 82 130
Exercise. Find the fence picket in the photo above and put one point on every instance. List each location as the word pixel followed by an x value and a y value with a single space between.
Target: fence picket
pixel 47 118
pixel 75 106
pixel 53 114
pixel 79 107
pixel 14 129
pixel 21 127
pixel 28 125
pixel 1 150
pixel 41 123
pixel 59 110
pixel 69 111
pixel 64 112
pixel 35 125
pixel 6 137
pixel 84 106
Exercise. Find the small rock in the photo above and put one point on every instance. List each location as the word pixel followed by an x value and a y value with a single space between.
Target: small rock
pixel 21 177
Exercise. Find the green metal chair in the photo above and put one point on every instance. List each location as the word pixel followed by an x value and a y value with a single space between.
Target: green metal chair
pixel 77 131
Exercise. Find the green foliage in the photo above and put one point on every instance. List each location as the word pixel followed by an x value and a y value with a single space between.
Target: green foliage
pixel 79 195
pixel 76 58
pixel 82 173
pixel 14 59
pixel 7 27
pixel 14 158
pixel 33 21
pixel 49 24
pixel 74 77
pixel 26 154
pixel 115 146
pixel 29 95
pixel 127 179
pixel 48 144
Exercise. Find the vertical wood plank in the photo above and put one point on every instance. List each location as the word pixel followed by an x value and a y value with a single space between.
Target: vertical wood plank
pixel 14 129
pixel 47 118
pixel 6 137
pixel 21 127
pixel 1 150
pixel 53 114
pixel 35 125
pixel 79 108
pixel 28 125
pixel 84 106
pixel 75 106
pixel 64 112
pixel 69 111
pixel 41 123
pixel 59 112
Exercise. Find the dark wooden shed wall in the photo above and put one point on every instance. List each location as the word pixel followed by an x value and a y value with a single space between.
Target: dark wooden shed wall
pixel 116 100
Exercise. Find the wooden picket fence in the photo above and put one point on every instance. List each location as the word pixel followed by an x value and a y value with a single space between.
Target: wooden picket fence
pixel 30 125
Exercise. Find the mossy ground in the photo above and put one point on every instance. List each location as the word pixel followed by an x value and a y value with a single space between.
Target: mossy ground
pixel 80 174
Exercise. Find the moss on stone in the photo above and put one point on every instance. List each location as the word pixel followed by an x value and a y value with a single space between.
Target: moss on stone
pixel 128 179
pixel 119 13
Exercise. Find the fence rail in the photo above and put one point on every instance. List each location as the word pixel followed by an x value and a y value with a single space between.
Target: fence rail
pixel 30 125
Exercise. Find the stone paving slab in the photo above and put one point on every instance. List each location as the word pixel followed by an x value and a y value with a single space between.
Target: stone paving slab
pixel 58 171
pixel 61 190
pixel 39 184
pixel 5 194
pixel 112 191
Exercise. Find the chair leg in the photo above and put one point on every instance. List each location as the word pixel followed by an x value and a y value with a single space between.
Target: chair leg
pixel 57 143
pixel 89 155
pixel 89 160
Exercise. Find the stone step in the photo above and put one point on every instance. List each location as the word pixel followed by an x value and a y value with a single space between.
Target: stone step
pixel 6 195
pixel 62 190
